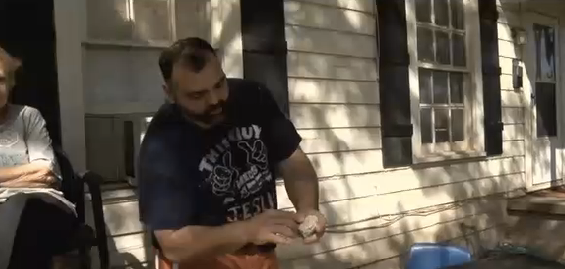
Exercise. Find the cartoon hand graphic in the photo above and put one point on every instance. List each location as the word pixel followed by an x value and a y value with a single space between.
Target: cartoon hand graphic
pixel 256 153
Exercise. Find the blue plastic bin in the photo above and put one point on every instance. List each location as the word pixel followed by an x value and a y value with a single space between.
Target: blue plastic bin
pixel 434 256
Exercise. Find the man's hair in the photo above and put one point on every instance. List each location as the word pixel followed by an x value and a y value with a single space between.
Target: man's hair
pixel 191 52
pixel 9 63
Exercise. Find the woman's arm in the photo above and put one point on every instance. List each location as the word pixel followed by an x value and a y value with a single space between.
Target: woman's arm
pixel 38 141
pixel 32 175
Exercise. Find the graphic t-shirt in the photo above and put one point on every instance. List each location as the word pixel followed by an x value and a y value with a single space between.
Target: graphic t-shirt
pixel 194 176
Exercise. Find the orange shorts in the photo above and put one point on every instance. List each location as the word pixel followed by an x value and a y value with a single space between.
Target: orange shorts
pixel 266 260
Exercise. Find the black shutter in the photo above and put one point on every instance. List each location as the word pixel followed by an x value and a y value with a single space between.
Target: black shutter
pixel 394 87
pixel 264 46
pixel 491 77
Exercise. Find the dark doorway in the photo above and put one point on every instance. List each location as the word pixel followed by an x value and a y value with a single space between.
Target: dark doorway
pixel 27 31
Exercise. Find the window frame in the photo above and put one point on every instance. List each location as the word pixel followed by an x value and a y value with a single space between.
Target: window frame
pixel 150 43
pixel 473 146
pixel 109 41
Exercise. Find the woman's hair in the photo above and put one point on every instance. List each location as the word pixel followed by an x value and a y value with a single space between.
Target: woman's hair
pixel 10 63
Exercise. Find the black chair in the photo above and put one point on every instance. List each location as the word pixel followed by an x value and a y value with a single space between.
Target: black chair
pixel 73 190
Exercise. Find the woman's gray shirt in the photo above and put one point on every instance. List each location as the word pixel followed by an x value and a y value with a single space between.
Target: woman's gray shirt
pixel 24 139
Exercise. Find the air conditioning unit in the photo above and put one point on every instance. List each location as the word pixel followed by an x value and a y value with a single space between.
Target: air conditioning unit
pixel 112 144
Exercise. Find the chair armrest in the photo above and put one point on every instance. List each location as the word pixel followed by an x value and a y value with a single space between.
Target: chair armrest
pixel 93 181
pixel 92 178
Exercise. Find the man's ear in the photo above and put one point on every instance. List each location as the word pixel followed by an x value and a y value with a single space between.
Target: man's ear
pixel 168 93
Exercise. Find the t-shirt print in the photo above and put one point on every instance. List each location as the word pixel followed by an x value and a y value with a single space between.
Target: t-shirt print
pixel 8 137
pixel 236 169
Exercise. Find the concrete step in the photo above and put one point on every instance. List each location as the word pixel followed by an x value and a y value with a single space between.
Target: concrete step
pixel 550 202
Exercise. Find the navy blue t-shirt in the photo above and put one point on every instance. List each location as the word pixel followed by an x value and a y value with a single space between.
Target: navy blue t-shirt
pixel 194 176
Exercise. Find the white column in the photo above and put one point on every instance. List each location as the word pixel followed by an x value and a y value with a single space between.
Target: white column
pixel 226 35
pixel 70 30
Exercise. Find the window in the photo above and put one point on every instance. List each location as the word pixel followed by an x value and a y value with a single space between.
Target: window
pixel 545 81
pixel 123 41
pixel 445 77
pixel 146 22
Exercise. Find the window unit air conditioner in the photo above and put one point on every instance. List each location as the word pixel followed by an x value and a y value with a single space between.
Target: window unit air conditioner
pixel 113 143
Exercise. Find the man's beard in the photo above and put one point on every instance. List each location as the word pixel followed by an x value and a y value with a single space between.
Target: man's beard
pixel 206 117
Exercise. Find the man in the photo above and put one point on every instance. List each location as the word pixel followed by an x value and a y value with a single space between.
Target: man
pixel 208 165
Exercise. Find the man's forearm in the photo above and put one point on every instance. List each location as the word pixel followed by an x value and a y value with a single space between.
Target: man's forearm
pixel 300 181
pixel 193 242
pixel 303 192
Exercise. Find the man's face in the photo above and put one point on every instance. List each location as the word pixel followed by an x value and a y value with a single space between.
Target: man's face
pixel 201 95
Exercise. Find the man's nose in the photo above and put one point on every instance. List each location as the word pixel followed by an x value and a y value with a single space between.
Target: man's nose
pixel 213 98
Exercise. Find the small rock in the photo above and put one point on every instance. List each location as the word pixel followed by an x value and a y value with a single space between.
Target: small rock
pixel 308 226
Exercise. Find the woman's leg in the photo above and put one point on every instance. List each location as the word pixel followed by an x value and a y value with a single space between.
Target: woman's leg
pixel 45 230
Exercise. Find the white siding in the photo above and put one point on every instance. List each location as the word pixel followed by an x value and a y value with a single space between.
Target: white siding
pixel 375 214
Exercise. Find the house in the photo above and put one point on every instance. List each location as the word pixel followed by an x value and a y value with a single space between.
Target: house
pixel 422 117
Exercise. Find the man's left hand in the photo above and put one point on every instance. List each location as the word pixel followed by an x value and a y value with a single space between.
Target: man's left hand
pixel 320 226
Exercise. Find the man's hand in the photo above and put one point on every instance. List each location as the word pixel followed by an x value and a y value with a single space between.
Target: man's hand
pixel 320 226
pixel 272 226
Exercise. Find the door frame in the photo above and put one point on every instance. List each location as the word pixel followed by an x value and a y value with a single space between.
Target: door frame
pixel 528 53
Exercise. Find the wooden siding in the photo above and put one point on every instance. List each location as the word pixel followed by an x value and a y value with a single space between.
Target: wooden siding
pixel 334 104
pixel 374 214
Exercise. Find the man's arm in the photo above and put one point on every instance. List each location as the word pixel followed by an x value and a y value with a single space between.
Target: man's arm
pixel 301 184
pixel 170 209
pixel 191 242
pixel 300 181
pixel 283 142
pixel 196 242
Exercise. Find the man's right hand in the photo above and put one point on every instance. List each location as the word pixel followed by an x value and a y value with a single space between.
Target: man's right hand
pixel 272 226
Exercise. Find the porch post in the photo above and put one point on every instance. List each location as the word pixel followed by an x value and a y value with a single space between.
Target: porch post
pixel 225 17
pixel 70 29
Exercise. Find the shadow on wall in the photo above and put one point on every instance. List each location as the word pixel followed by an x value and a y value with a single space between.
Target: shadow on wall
pixel 340 126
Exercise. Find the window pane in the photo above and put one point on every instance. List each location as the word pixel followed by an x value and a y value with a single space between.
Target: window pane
pixel 457 125
pixel 426 125
pixel 425 77
pixel 457 15
pixel 152 20
pixel 443 48
pixel 108 20
pixel 425 44
pixel 423 11
pixel 546 110
pixel 441 120
pixel 545 53
pixel 440 87
pixel 456 87
pixel 192 18
pixel 441 11
pixel 459 57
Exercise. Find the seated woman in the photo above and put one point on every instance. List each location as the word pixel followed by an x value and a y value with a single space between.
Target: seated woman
pixel 36 222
